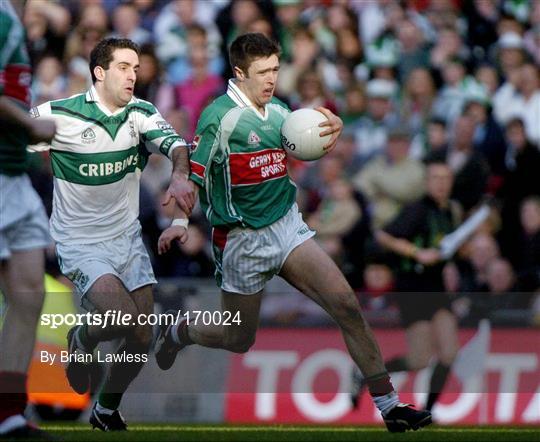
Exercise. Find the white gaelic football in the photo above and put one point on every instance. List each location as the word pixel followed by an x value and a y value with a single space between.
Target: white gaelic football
pixel 300 134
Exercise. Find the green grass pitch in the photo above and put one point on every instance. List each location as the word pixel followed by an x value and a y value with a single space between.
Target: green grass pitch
pixel 284 433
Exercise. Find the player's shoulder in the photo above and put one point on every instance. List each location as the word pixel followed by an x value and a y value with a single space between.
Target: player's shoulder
pixel 277 102
pixel 143 106
pixel 215 111
pixel 73 104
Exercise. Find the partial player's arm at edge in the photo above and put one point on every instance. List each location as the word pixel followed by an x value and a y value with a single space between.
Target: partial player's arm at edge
pixel 39 130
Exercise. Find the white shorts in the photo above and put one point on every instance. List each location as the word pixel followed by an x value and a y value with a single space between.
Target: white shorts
pixel 246 258
pixel 23 222
pixel 124 256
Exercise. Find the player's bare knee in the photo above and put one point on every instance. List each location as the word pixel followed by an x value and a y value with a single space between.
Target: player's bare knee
pixel 419 362
pixel 28 304
pixel 240 344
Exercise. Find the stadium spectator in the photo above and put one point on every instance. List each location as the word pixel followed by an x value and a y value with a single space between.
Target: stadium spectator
pixel 488 136
pixel 528 106
pixel 371 130
pixel 510 53
pixel 337 214
pixel 417 100
pixel 173 39
pixel 434 144
pixel 151 85
pixel 47 25
pixel 487 76
pixel 305 52
pixel 49 81
pixel 354 105
pixel 391 180
pixel 413 51
pixel 201 86
pixel 482 248
pixel 126 24
pixel 311 92
pixel 469 167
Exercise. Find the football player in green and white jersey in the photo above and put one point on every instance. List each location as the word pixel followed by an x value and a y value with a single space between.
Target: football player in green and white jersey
pixel 103 141
pixel 240 169
pixel 23 225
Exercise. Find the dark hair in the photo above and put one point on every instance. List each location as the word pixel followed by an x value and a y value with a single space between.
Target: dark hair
pixel 248 47
pixel 102 54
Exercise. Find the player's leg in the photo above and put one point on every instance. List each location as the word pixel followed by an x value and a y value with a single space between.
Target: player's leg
pixel 106 294
pixel 310 270
pixel 237 337
pixel 444 330
pixel 22 286
pixel 419 349
pixel 313 272
pixel 122 373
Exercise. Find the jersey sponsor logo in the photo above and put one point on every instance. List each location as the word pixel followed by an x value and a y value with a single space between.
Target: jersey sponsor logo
pixel 165 127
pixel 88 136
pixel 79 278
pixel 257 167
pixel 267 127
pixel 193 146
pixel 108 168
pixel 253 138
pixel 34 112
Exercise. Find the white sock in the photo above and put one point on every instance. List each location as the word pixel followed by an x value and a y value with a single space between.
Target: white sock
pixel 102 410
pixel 174 332
pixel 12 422
pixel 387 402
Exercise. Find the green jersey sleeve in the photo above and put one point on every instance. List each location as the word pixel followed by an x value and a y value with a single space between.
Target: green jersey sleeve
pixel 204 147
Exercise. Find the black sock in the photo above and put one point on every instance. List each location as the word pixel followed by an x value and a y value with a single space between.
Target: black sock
pixel 436 385
pixel 398 363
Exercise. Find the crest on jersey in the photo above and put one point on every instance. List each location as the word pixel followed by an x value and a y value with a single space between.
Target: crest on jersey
pixel 165 127
pixel 132 129
pixel 253 138
pixel 88 136
pixel 34 112
pixel 193 146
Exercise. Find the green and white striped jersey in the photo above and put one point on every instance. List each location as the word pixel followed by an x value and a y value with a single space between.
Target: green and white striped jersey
pixel 238 162
pixel 97 158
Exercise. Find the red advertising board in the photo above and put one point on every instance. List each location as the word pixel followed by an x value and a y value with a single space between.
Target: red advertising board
pixel 302 376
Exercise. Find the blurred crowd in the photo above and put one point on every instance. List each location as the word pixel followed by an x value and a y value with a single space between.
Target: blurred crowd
pixel 414 81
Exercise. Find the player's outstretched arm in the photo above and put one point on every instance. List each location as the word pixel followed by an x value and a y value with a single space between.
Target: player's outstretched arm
pixel 334 125
pixel 40 131
pixel 180 188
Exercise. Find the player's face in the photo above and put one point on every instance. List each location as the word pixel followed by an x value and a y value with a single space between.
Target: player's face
pixel 260 81
pixel 439 182
pixel 119 79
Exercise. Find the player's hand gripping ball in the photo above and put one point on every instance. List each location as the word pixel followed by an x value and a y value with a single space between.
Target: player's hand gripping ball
pixel 300 135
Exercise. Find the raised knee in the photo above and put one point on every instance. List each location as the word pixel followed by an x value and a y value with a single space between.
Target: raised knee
pixel 240 344
pixel 419 362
